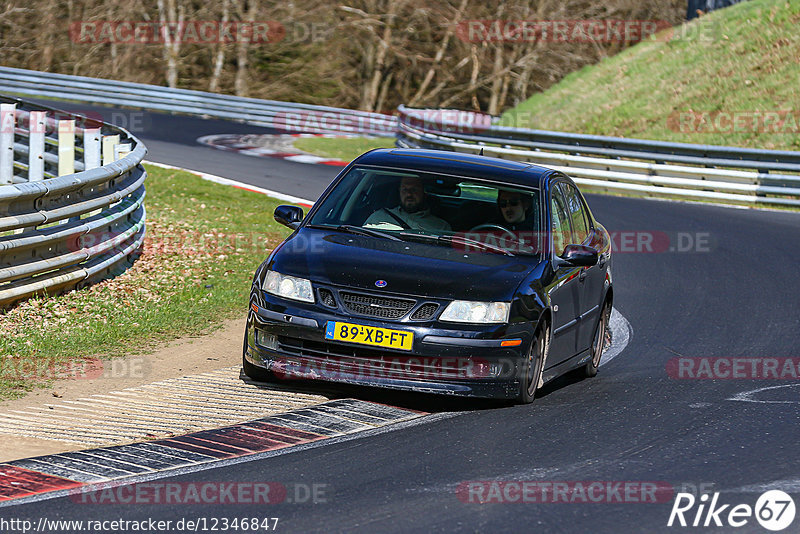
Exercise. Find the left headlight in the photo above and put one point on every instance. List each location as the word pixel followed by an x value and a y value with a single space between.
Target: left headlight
pixel 465 311
pixel 288 287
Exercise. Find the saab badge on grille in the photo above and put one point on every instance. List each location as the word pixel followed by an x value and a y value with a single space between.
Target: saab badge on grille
pixel 380 283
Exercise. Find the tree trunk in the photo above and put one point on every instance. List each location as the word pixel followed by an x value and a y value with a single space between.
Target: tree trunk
pixel 371 91
pixel 418 97
pixel 219 60
pixel 172 44
pixel 240 85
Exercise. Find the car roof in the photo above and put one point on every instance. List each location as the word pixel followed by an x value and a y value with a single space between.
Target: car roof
pixel 456 163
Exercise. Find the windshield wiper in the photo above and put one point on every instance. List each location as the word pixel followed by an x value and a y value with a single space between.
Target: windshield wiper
pixel 450 239
pixel 360 230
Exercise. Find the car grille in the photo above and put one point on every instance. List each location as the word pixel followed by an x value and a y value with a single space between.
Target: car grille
pixel 426 311
pixel 376 306
pixel 344 360
pixel 327 298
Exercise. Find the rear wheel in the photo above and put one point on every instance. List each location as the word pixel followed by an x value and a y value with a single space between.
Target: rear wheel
pixel 598 342
pixel 533 367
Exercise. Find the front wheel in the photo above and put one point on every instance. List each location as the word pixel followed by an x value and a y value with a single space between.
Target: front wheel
pixel 533 367
pixel 253 371
pixel 598 343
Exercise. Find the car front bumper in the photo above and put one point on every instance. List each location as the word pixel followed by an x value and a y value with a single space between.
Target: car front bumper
pixel 289 340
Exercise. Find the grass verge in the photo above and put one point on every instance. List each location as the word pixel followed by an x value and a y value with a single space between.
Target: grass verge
pixel 201 249
pixel 738 61
pixel 342 148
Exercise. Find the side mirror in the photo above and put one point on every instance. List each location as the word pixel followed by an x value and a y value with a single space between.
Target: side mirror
pixel 290 216
pixel 577 256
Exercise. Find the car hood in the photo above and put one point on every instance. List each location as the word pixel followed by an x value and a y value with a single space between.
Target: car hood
pixel 410 268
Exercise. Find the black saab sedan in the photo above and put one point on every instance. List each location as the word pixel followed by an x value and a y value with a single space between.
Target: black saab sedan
pixel 435 272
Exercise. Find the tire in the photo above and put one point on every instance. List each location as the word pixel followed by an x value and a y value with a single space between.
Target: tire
pixel 253 371
pixel 533 367
pixel 598 343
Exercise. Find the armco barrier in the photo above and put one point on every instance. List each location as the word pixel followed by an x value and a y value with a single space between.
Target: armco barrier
pixel 284 116
pixel 651 168
pixel 65 229
pixel 642 167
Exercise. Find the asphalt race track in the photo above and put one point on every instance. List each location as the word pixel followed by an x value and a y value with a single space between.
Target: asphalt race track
pixel 734 295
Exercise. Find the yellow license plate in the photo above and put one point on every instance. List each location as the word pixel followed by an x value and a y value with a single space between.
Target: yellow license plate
pixel 369 335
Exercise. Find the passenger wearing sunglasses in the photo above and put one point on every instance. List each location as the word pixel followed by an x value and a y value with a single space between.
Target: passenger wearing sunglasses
pixel 515 209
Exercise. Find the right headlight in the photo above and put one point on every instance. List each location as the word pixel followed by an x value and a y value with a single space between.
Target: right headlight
pixel 465 311
pixel 288 287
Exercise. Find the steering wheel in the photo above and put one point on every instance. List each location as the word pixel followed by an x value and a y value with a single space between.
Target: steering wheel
pixel 491 226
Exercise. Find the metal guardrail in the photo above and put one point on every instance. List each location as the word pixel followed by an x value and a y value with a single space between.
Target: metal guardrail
pixel 642 167
pixel 60 228
pixel 651 168
pixel 284 116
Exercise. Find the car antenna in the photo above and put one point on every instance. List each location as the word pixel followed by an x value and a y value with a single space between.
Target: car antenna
pixel 481 154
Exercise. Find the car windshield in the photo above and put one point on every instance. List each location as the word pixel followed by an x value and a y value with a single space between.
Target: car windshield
pixel 433 208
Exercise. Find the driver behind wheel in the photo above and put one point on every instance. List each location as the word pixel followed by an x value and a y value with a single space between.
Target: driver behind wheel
pixel 412 213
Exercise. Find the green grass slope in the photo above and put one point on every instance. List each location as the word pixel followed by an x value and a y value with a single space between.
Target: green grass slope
pixel 713 81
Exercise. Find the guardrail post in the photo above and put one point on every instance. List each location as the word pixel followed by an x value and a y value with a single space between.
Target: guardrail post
pixel 66 147
pixel 108 148
pixel 121 150
pixel 36 130
pixel 7 124
pixel 91 148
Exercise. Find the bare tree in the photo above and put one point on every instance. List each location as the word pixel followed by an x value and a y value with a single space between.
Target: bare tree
pixel 437 60
pixel 170 17
pixel 368 54
pixel 247 12
pixel 219 57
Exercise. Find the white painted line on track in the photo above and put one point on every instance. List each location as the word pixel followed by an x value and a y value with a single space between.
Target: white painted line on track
pixel 241 185
pixel 748 396
pixel 787 485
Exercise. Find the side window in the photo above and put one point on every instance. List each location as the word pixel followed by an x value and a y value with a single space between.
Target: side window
pixel 577 214
pixel 560 218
